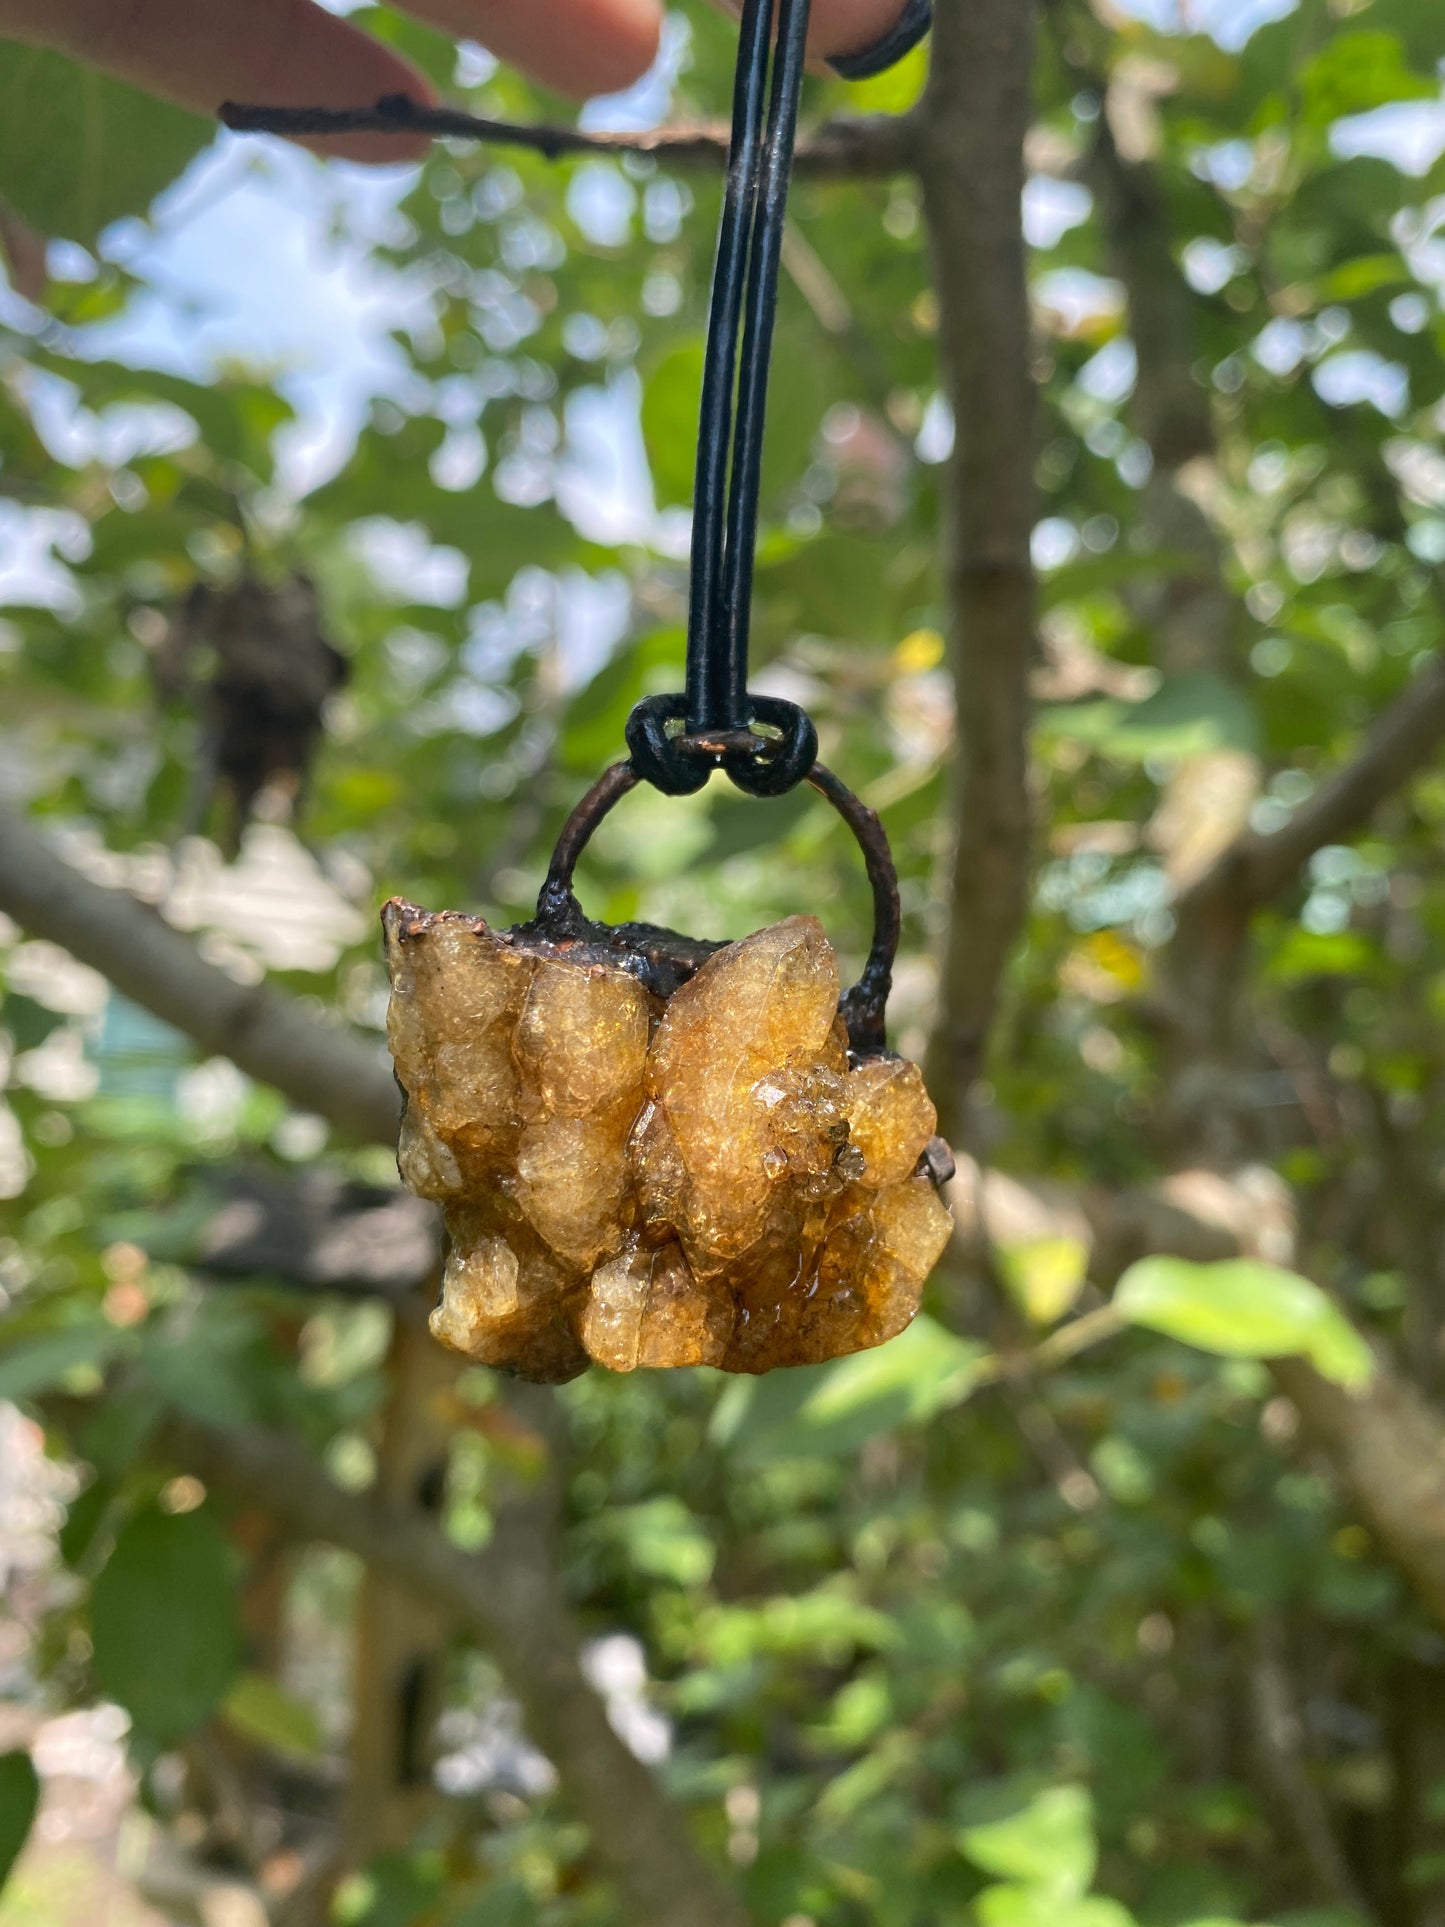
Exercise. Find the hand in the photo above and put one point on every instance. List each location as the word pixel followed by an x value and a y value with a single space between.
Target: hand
pixel 291 53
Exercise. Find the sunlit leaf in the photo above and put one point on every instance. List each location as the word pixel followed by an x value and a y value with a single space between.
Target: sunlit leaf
pixel 661 1538
pixel 434 53
pixel 1013 1906
pixel 1045 1275
pixel 670 404
pixel 832 1409
pixel 262 1709
pixel 1244 1308
pixel 895 90
pixel 1367 274
pixel 1048 1844
pixel 1356 72
pixel 1304 954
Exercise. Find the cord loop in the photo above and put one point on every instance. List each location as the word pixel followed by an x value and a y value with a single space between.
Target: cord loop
pixel 766 755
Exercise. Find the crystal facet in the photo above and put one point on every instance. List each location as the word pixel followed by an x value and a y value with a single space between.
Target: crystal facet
pixel 707 1179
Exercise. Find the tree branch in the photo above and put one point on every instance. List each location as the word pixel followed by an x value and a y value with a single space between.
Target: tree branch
pixel 270 1037
pixel 1385 1443
pixel 865 145
pixel 975 116
pixel 1278 1734
pixel 1387 1449
pixel 1197 620
pixel 1258 866
pixel 509 1599
pixel 400 1643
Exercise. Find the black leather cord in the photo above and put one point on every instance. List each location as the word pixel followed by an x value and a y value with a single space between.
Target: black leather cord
pixel 766 745
pixel 757 348
pixel 707 703
pixel 744 301
pixel 901 39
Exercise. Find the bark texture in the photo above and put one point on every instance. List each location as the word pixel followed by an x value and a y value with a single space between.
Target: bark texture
pixel 975 116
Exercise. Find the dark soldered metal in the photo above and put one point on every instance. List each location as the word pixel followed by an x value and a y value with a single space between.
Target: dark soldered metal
pixel 663 958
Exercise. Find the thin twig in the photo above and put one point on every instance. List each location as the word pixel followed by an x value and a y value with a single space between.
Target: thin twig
pixel 1282 1762
pixel 1091 1328
pixel 1257 866
pixel 864 145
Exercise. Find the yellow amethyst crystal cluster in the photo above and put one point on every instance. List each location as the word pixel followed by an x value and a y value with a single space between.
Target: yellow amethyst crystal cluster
pixel 705 1178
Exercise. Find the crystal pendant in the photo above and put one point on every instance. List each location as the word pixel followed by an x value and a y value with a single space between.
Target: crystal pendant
pixel 654 1151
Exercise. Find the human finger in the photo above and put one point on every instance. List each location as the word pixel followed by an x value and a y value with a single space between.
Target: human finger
pixel 580 47
pixel 838 28
pixel 285 53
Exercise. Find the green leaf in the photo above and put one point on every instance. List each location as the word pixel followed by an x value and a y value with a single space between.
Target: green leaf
pixel 895 90
pixel 1244 1308
pixel 217 1373
pixel 1304 954
pixel 38 1365
pixel 1365 275
pixel 19 1799
pixel 435 53
pixel 393 1890
pixel 506 1903
pixel 1116 569
pixel 28 1022
pixel 1185 716
pixel 263 1710
pixel 1355 73
pixel 1011 1906
pixel 828 1411
pixel 661 1538
pixel 1049 1844
pixel 164 1624
pixel 79 150
pixel 1045 1275
pixel 85 1518
pixel 235 417
pixel 597 715
pixel 670 404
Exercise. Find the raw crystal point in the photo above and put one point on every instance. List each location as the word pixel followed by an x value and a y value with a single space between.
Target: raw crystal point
pixel 455 1003
pixel 727 1071
pixel 647 1308
pixel 890 1111
pixel 646 1172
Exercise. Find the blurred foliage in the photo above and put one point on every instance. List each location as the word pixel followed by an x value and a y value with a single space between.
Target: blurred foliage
pixel 19 1797
pixel 78 150
pixel 935 1641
